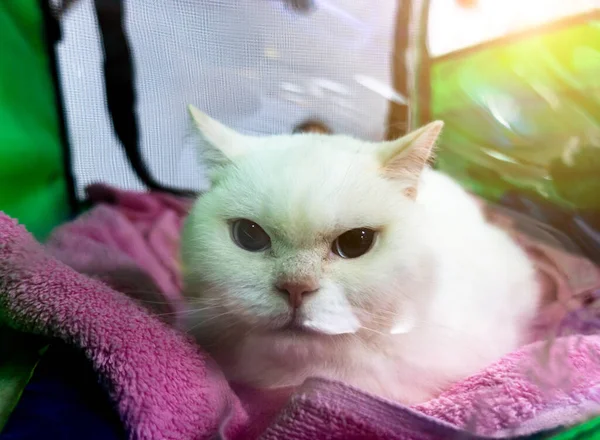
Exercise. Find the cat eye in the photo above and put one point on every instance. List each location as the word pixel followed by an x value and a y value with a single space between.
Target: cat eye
pixel 354 243
pixel 250 236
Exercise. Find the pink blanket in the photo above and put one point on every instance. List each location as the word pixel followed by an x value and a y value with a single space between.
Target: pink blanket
pixel 166 387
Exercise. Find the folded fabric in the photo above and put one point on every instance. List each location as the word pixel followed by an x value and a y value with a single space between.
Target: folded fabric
pixel 165 387
pixel 162 385
pixel 130 241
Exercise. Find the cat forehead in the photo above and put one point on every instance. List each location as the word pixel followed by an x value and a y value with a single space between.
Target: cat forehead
pixel 307 186
pixel 306 150
pixel 297 167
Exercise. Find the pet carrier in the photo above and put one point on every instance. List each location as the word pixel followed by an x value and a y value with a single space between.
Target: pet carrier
pixel 96 91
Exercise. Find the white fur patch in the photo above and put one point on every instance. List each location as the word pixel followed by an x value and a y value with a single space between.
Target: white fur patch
pixel 331 313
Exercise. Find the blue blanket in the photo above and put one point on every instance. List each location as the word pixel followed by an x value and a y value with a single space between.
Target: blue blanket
pixel 63 401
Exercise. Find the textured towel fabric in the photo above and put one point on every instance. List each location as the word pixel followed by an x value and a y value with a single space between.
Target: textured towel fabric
pixel 129 241
pixel 163 386
pixel 166 388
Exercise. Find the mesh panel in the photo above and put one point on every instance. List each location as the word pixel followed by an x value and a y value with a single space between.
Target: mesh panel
pixel 256 65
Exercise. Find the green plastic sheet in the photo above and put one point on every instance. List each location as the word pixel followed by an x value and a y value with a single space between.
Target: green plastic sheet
pixel 523 124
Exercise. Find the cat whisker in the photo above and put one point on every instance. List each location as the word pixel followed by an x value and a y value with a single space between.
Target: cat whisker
pixel 185 311
pixel 372 330
pixel 144 301
pixel 212 318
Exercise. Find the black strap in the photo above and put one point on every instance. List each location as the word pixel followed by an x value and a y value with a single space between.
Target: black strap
pixel 52 35
pixel 119 80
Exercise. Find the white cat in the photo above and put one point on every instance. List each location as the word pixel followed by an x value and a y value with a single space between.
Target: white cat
pixel 320 255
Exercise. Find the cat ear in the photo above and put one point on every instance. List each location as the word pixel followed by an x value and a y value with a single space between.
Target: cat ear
pixel 406 157
pixel 219 144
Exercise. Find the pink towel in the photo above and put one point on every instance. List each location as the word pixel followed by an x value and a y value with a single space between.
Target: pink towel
pixel 130 241
pixel 165 387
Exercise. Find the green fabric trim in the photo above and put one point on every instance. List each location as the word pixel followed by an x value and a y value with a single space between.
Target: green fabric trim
pixel 33 188
pixel 20 353
pixel 589 430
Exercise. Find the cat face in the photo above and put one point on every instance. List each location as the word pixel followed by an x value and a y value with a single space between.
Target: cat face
pixel 303 234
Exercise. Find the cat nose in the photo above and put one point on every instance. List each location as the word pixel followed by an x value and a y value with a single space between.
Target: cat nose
pixel 297 291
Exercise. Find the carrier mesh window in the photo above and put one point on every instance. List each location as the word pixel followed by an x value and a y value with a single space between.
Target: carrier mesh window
pixel 257 65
